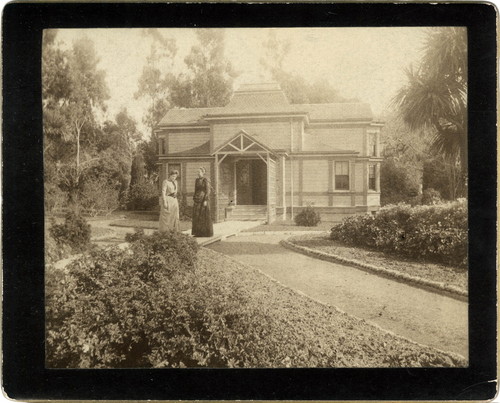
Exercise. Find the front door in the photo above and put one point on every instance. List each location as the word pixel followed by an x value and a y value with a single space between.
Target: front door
pixel 251 182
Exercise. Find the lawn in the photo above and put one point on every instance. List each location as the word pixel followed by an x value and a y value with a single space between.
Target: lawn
pixel 428 271
pixel 289 225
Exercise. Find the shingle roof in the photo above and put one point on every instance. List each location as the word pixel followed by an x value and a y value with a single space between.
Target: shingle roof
pixel 256 99
pixel 338 111
pixel 202 149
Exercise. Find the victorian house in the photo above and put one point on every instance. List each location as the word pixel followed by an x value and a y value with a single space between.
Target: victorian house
pixel 267 159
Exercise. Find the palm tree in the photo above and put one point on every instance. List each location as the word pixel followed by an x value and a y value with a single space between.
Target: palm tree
pixel 436 95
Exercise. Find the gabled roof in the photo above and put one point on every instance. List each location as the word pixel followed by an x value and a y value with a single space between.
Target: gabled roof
pixel 242 142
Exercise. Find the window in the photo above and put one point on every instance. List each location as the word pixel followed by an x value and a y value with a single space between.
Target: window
pixel 373 144
pixel 162 146
pixel 372 184
pixel 342 175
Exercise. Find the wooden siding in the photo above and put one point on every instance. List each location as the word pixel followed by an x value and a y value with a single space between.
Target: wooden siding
pixel 373 199
pixel 359 186
pixel 316 200
pixel 191 173
pixel 288 173
pixel 183 141
pixel 340 138
pixel 342 199
pixel 315 175
pixel 275 135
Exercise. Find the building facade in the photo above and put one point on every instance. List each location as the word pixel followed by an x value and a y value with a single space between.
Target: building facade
pixel 268 159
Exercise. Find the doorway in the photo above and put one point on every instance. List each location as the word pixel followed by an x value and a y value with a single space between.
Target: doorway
pixel 251 182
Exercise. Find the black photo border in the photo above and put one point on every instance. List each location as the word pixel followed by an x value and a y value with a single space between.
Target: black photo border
pixel 24 374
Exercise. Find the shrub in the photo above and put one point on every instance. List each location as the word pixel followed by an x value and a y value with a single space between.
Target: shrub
pixel 143 196
pixel 75 232
pixel 54 197
pixel 118 308
pixel 135 236
pixel 397 184
pixel 308 217
pixel 99 196
pixel 431 196
pixel 55 251
pixel 437 233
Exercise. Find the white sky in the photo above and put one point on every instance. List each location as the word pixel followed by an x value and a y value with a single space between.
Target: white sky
pixel 366 63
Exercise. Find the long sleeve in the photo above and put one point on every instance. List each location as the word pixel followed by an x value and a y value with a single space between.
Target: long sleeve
pixel 206 184
pixel 164 192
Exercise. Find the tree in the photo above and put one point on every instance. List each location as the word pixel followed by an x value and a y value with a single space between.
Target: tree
pixel 436 96
pixel 209 81
pixel 73 91
pixel 296 88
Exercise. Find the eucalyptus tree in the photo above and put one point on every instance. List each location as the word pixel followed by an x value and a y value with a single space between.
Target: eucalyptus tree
pixel 74 92
pixel 208 80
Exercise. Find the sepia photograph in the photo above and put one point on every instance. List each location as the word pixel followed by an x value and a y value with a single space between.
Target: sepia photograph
pixel 255 197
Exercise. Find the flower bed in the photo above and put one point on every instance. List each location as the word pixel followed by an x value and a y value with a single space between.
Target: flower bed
pixel 162 304
pixel 428 233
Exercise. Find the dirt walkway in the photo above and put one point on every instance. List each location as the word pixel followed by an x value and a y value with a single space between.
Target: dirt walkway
pixel 417 314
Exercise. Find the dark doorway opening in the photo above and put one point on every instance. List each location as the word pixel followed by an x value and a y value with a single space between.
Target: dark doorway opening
pixel 251 182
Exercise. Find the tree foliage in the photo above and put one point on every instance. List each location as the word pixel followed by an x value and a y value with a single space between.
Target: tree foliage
pixel 209 80
pixel 297 89
pixel 436 95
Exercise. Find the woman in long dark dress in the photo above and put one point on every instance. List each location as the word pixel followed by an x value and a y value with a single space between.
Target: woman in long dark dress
pixel 202 222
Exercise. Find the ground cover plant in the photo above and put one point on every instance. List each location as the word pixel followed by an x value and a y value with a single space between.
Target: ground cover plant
pixel 163 303
pixel 435 233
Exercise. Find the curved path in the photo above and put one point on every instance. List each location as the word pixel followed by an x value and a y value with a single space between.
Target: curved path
pixel 417 314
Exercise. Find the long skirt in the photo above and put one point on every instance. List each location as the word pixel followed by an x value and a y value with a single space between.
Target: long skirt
pixel 202 222
pixel 169 217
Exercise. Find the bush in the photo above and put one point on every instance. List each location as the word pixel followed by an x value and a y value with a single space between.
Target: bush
pixel 143 196
pixel 75 232
pixel 99 196
pixel 122 308
pixel 308 217
pixel 431 197
pixel 55 251
pixel 54 197
pixel 397 184
pixel 436 233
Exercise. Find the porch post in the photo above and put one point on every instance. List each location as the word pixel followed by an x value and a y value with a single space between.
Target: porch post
pixel 235 178
pixel 217 187
pixel 268 190
pixel 283 186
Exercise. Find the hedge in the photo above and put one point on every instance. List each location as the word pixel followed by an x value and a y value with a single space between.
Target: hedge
pixel 435 233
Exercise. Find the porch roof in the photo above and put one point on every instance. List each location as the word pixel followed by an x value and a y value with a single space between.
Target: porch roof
pixel 243 143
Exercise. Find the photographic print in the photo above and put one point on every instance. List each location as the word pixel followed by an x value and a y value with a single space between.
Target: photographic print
pixel 255 197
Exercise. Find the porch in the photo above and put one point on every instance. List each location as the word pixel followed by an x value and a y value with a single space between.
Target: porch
pixel 245 180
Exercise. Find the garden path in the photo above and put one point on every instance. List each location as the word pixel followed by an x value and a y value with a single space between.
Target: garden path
pixel 420 315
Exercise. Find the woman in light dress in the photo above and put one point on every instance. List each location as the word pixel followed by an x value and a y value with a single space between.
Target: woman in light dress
pixel 169 213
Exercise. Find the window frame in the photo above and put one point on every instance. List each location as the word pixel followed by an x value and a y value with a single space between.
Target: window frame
pixel 336 176
pixel 374 188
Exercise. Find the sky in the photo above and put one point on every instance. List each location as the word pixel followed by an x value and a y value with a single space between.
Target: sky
pixel 363 63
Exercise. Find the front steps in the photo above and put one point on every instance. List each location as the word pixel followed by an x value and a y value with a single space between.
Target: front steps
pixel 246 213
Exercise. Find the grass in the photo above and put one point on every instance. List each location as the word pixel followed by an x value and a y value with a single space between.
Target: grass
pixel 430 271
pixel 289 225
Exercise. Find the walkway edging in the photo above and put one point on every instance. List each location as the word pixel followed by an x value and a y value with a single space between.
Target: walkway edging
pixel 430 285
pixel 455 356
